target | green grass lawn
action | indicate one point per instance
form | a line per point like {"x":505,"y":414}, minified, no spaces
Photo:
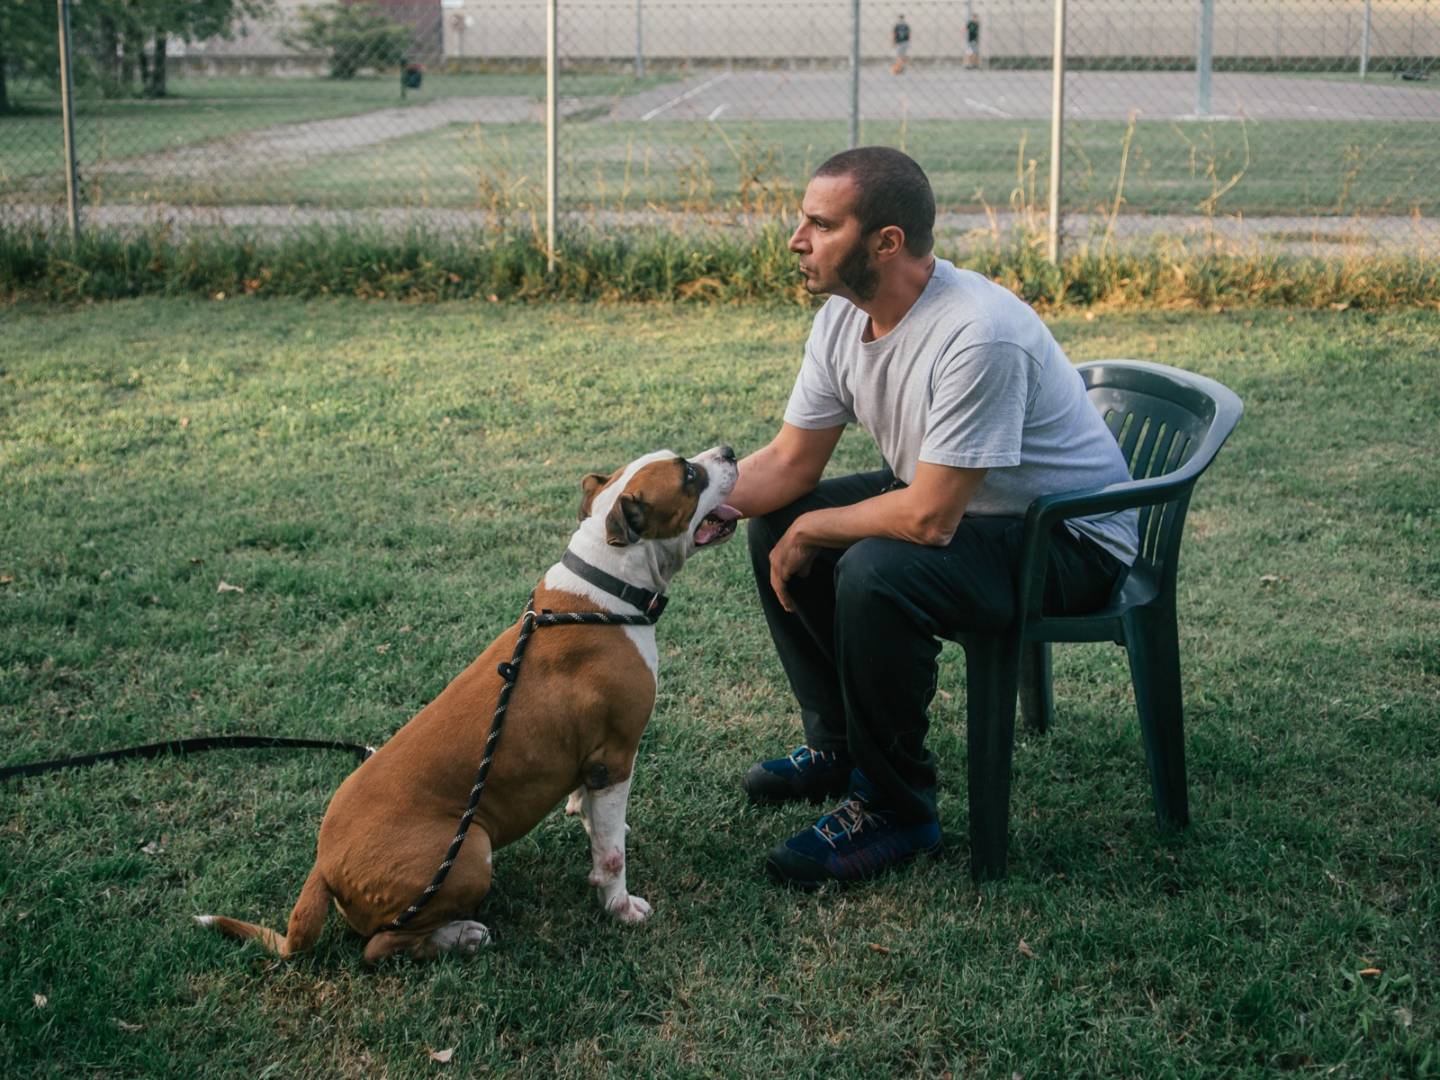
{"x":1291,"y":168}
{"x":387,"y":482}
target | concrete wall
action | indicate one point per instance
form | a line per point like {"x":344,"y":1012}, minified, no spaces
{"x":820,"y":29}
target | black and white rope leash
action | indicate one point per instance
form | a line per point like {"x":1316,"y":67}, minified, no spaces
{"x":510,"y":672}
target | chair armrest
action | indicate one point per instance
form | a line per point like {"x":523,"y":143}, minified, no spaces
{"x":1049,"y":510}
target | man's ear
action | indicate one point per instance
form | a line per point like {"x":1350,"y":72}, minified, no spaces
{"x":626,"y":520}
{"x":592,"y":483}
{"x":889,"y":242}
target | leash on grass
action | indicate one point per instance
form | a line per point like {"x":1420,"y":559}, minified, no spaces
{"x":181,"y":746}
{"x":510,"y":672}
{"x":653,"y":605}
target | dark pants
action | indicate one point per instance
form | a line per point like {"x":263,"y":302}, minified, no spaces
{"x":861,"y":648}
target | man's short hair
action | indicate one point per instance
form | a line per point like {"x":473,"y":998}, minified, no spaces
{"x":893,"y":190}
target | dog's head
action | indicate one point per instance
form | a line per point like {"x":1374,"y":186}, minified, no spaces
{"x":667,"y":500}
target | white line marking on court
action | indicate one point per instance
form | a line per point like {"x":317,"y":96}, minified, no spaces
{"x":986,"y":108}
{"x":685,"y":96}
{"x":718,"y":110}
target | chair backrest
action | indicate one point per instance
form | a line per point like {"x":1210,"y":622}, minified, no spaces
{"x":1168,"y":422}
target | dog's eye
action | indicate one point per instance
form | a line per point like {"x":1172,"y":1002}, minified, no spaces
{"x":689,"y":473}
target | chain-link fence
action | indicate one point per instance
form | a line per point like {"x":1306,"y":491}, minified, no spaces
{"x":1302,"y":118}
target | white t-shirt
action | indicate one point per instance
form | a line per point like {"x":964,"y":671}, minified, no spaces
{"x":971,"y":378}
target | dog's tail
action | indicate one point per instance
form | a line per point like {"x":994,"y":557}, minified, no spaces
{"x":306,"y":921}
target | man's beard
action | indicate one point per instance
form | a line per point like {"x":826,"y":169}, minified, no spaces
{"x":857,"y":273}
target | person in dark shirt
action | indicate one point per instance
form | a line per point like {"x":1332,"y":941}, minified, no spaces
{"x":972,"y":42}
{"x":900,"y":37}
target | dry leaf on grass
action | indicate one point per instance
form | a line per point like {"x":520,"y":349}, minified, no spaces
{"x":442,"y":1056}
{"x":41,"y":1001}
{"x":1026,"y":950}
{"x":225,"y":586}
{"x":881,"y":949}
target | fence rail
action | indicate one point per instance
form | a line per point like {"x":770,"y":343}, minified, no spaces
{"x":1300,"y":122}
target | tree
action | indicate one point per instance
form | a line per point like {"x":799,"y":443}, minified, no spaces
{"x":355,"y":36}
{"x":29,"y":35}
{"x":123,"y":44}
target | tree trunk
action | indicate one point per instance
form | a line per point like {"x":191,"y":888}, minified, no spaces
{"x":4,"y":93}
{"x":134,"y":51}
{"x":155,"y":85}
{"x":109,"y":55}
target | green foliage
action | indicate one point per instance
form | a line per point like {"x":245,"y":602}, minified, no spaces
{"x":121,"y":45}
{"x":355,"y":36}
{"x":655,"y":264}
{"x":27,"y":44}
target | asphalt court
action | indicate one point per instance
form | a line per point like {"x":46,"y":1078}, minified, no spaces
{"x":950,"y":94}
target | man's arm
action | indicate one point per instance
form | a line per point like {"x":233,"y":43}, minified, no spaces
{"x":789,"y":466}
{"x":927,"y":512}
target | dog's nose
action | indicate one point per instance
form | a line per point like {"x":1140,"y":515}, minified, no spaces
{"x":727,"y":454}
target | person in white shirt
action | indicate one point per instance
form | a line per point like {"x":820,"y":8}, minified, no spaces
{"x":976,"y":412}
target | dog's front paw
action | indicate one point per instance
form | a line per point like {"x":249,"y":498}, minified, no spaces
{"x":630,"y":909}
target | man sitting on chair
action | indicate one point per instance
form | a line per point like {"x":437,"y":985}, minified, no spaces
{"x":977,"y":412}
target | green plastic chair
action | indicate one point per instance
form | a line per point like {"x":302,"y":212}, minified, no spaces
{"x":1170,"y":424}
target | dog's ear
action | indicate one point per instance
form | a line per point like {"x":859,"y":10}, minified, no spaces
{"x":626,"y":520}
{"x":591,"y":486}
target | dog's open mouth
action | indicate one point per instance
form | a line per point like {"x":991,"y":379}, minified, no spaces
{"x":718,"y":525}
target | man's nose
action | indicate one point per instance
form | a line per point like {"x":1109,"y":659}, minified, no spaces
{"x":798,"y":243}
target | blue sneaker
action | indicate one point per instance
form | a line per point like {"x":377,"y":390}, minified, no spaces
{"x":804,"y":773}
{"x":854,"y":842}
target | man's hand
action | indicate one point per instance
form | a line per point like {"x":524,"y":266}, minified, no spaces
{"x":790,"y":558}
{"x":927,"y":512}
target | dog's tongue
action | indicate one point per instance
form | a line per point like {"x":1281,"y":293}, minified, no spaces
{"x":716,"y":522}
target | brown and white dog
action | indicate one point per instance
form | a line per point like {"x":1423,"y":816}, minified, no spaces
{"x":574,"y":722}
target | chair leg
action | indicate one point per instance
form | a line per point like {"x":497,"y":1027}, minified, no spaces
{"x":1037,"y":693}
{"x":1153,"y":644}
{"x":991,"y":671}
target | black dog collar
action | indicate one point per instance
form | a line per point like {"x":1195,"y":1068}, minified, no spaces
{"x":652,"y":604}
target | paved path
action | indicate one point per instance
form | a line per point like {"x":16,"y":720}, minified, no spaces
{"x":956,"y":94}
{"x":287,"y":143}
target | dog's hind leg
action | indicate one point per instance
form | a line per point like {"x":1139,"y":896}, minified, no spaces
{"x":464,"y":936}
{"x":575,"y":804}
{"x":464,"y":888}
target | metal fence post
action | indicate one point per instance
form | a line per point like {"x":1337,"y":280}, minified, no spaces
{"x":67,"y":111}
{"x":854,"y":73}
{"x":639,"y":40}
{"x":552,"y":185}
{"x":1057,"y":129}
{"x":1365,"y":43}
{"x":1204,"y":59}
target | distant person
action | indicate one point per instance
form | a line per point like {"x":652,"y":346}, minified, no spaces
{"x":972,"y":42}
{"x":900,"y":37}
